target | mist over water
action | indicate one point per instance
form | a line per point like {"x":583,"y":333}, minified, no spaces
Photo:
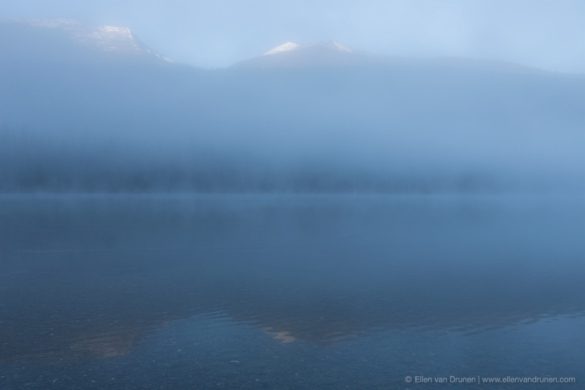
{"x":389,"y":196}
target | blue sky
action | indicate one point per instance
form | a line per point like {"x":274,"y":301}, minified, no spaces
{"x":544,"y":33}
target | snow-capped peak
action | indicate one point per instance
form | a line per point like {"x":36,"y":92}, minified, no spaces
{"x":116,"y":38}
{"x":107,"y":37}
{"x":285,"y":47}
{"x":293,"y":46}
{"x":292,"y":54}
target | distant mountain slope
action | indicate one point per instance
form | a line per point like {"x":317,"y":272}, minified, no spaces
{"x":103,"y":112}
{"x":66,"y":40}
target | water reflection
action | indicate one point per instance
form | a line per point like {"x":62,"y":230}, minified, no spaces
{"x":91,"y":277}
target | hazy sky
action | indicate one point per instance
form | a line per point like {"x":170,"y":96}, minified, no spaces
{"x":544,"y":33}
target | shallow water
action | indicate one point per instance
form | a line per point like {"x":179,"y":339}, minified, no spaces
{"x":289,"y":292}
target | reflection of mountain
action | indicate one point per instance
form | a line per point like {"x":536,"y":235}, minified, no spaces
{"x":99,"y":275}
{"x":93,"y":109}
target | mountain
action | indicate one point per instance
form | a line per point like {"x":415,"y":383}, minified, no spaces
{"x":67,"y":40}
{"x":93,"y":109}
{"x":294,"y":55}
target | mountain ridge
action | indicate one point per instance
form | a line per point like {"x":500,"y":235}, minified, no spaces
{"x":398,"y":125}
{"x":60,"y":38}
{"x":293,"y":55}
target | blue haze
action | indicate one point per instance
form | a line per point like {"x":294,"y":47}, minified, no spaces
{"x":179,"y":211}
{"x":542,"y":33}
{"x":77,"y":117}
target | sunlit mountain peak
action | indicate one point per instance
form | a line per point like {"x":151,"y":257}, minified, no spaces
{"x":282,"y":48}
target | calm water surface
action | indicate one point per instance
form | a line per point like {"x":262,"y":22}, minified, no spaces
{"x":289,"y":292}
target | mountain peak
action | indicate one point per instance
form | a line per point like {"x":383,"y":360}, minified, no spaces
{"x":282,"y":48}
{"x":293,"y":46}
{"x":292,"y":54}
{"x":62,"y":36}
{"x":115,"y":39}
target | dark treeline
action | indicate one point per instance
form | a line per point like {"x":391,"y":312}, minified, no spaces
{"x":31,"y":168}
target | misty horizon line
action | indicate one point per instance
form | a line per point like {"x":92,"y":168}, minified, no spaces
{"x":302,"y":44}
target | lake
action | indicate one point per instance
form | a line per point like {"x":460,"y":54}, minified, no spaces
{"x":291,"y":291}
